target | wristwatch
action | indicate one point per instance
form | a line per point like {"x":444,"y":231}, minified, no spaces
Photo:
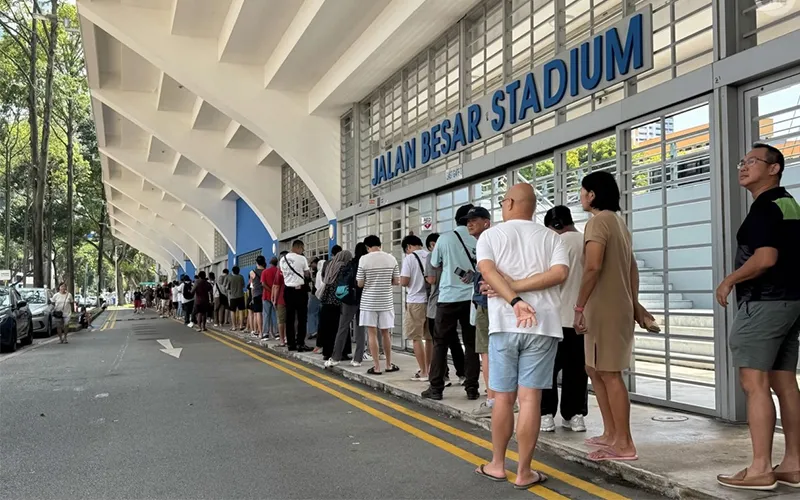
{"x":515,"y":300}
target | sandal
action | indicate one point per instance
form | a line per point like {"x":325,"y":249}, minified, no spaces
{"x":609,"y":455}
{"x":488,"y":476}
{"x":540,"y":478}
{"x":372,"y":371}
{"x":393,"y":368}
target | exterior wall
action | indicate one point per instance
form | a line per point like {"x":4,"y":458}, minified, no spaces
{"x":252,"y":239}
{"x":672,"y":144}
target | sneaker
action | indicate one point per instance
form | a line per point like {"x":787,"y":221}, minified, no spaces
{"x":355,"y":363}
{"x":367,"y":357}
{"x":575,"y":424}
{"x":383,"y":357}
{"x":473,"y":395}
{"x":548,"y":424}
{"x":331,"y":362}
{"x":190,"y":325}
{"x":461,"y":380}
{"x":483,"y":411}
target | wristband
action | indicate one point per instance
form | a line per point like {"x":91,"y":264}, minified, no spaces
{"x":578,"y":309}
{"x":515,"y":300}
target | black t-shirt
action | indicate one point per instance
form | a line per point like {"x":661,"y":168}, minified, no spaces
{"x":773,"y":221}
{"x":137,"y":295}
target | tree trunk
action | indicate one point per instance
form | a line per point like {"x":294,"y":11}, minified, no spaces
{"x":48,"y":235}
{"x":33,"y":125}
{"x":42,"y":171}
{"x":70,"y":278}
{"x":117,"y":276}
{"x":100,"y":253}
{"x":7,"y":249}
{"x":25,"y":242}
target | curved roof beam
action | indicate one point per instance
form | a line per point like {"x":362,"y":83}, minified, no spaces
{"x":278,"y":118}
{"x":177,"y":214}
{"x":143,"y":245}
{"x":220,"y":213}
{"x":122,"y":217}
{"x":204,"y":148}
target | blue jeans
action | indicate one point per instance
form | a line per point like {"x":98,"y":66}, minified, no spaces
{"x":314,"y":306}
{"x":270,"y":318}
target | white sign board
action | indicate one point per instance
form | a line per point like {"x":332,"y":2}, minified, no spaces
{"x":5,"y":275}
{"x":426,"y":223}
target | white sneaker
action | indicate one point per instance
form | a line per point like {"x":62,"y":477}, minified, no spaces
{"x":367,"y":357}
{"x":483,"y":411}
{"x":548,"y":424}
{"x":575,"y":424}
{"x":190,"y":325}
{"x":355,"y":363}
{"x":383,"y":357}
{"x":461,"y":380}
{"x":331,"y":362}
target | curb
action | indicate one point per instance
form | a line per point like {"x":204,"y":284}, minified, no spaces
{"x":654,"y":482}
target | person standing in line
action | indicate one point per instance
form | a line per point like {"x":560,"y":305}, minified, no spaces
{"x":278,"y":297}
{"x":605,"y":311}
{"x":296,"y":276}
{"x":179,"y":291}
{"x":331,"y":303}
{"x":188,"y":302}
{"x":348,"y":288}
{"x":377,"y":273}
{"x":217,"y":304}
{"x":250,"y":300}
{"x":223,"y":297}
{"x":137,"y":301}
{"x":270,"y":320}
{"x":432,"y":276}
{"x":455,"y":254}
{"x":314,"y":305}
{"x":63,"y":305}
{"x":524,"y":264}
{"x":235,"y":283}
{"x":202,"y":291}
{"x":415,"y":321}
{"x":570,"y":356}
{"x":479,"y":220}
{"x":258,"y":296}
{"x":764,"y":336}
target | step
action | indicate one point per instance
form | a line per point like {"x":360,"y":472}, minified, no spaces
{"x":682,"y":347}
{"x":659,"y":304}
{"x":688,"y":331}
{"x":673,"y":296}
{"x":650,"y":279}
{"x":676,"y":319}
{"x":653,"y":287}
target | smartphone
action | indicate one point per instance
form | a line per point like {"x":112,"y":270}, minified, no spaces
{"x":466,"y":276}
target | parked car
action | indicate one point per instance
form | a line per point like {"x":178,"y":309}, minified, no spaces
{"x":41,"y":308}
{"x":78,"y":299}
{"x":16,"y":324}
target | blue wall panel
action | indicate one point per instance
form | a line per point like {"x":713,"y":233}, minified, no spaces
{"x":250,"y":235}
{"x":189,"y":269}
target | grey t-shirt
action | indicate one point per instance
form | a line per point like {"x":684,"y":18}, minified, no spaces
{"x":258,"y":289}
{"x":433,"y":295}
{"x":222,"y":283}
{"x":235,"y":286}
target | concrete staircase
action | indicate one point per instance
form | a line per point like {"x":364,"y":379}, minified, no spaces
{"x":652,"y":290}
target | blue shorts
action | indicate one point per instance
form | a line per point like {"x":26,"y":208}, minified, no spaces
{"x":521,"y":360}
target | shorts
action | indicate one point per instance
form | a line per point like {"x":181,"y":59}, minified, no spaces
{"x":764,"y":335}
{"x":415,"y":322}
{"x":377,"y":319}
{"x":223,"y":299}
{"x":521,"y":360}
{"x":137,"y":304}
{"x":281,"y":310}
{"x":481,"y":330}
{"x":237,"y":304}
{"x":258,"y":305}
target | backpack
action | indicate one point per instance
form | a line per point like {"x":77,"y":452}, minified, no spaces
{"x":345,"y":290}
{"x":187,"y":291}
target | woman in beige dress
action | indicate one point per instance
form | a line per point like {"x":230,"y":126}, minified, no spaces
{"x":605,"y":312}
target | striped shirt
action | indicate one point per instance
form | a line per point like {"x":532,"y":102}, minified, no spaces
{"x":377,"y":270}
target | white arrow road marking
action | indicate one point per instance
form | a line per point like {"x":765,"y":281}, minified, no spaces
{"x":175,"y":352}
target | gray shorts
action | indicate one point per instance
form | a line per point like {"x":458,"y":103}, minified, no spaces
{"x":764,"y":335}
{"x":521,"y":360}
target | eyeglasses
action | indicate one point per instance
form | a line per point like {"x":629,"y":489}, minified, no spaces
{"x":505,"y":200}
{"x":749,"y":162}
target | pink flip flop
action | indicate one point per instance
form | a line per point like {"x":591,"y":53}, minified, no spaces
{"x":609,"y":455}
{"x":594,"y":441}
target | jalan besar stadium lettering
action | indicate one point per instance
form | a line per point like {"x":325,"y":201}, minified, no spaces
{"x":621,"y":52}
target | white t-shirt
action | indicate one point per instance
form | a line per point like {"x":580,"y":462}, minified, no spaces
{"x":318,"y":281}
{"x":299,"y":263}
{"x":378,"y":270}
{"x":573,"y":240}
{"x":175,"y":290}
{"x":520,"y":248}
{"x":412,"y":268}
{"x":63,"y":302}
{"x":181,"y":298}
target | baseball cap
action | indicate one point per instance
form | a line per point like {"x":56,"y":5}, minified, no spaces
{"x":478,"y":213}
{"x":461,"y":213}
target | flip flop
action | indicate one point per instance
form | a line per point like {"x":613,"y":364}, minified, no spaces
{"x":490,"y":477}
{"x":393,"y":368}
{"x":540,"y":478}
{"x":609,"y":455}
{"x":372,"y":371}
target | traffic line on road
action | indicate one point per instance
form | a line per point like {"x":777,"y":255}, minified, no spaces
{"x":540,"y":491}
{"x":111,"y":320}
{"x":511,"y":455}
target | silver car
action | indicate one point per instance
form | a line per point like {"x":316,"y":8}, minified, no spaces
{"x":41,"y":308}
{"x":15,"y":320}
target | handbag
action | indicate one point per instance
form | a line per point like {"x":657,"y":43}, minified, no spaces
{"x":59,"y":314}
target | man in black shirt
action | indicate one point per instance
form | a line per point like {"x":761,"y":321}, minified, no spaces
{"x":764,"y":335}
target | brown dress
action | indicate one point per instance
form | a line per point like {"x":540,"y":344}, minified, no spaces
{"x":609,"y":311}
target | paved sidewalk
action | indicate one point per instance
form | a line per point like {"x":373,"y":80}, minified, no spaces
{"x":678,"y":458}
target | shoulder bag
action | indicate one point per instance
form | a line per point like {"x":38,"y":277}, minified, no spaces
{"x":304,"y":278}
{"x":469,"y":254}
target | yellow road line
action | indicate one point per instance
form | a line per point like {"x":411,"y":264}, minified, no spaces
{"x":429,"y":438}
{"x":113,"y":320}
{"x":512,"y":455}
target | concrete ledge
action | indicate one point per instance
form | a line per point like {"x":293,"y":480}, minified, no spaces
{"x":678,"y":458}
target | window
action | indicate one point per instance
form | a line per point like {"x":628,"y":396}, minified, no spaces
{"x":248,"y":259}
{"x":299,"y":205}
{"x":220,"y":246}
{"x":350,"y":191}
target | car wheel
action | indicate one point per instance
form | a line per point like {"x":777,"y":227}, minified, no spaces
{"x":12,"y":345}
{"x":28,"y":340}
